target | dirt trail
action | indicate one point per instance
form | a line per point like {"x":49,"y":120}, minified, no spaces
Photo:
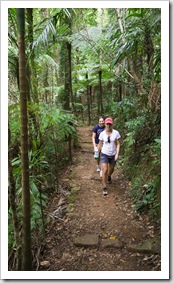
{"x":111,"y":217}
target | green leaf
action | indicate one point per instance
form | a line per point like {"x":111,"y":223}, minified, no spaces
{"x":34,"y":189}
{"x":16,"y":161}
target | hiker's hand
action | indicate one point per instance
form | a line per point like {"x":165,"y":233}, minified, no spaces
{"x":116,"y":157}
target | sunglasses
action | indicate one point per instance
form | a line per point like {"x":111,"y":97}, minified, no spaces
{"x":109,"y":140}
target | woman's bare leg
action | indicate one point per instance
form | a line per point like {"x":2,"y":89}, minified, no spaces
{"x":110,"y":169}
{"x":104,"y":168}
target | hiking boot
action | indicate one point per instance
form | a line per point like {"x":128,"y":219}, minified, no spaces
{"x":100,"y":173}
{"x":98,"y":168}
{"x":105,"y":191}
{"x":109,"y":180}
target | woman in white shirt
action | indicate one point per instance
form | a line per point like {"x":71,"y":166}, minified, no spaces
{"x":109,"y":144}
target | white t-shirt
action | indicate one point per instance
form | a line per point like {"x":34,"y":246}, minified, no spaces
{"x":109,"y":148}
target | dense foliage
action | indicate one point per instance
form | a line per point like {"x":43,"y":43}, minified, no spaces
{"x":82,"y":63}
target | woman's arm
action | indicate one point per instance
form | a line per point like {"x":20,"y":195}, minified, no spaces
{"x":100,"y":145}
{"x":93,"y":140}
{"x":118,"y":149}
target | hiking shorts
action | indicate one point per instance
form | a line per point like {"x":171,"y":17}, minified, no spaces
{"x":107,"y":159}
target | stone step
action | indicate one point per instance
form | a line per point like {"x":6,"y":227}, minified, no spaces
{"x":88,"y":240}
{"x":94,"y":240}
{"x":149,"y":246}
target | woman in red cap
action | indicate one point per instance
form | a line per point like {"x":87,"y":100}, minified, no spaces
{"x":109,"y":144}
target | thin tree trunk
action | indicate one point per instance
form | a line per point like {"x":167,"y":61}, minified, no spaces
{"x":70,"y":147}
{"x":66,"y":79}
{"x":32,"y":56}
{"x":46,"y":84}
{"x":31,"y":82}
{"x":88,"y":101}
{"x":27,"y":262}
{"x":119,"y":88}
{"x":149,"y":47}
{"x":12,"y":201}
{"x":68,"y":91}
{"x":82,"y":110}
{"x":70,"y":77}
{"x":100,"y":94}
{"x":88,"y":104}
{"x":90,"y":94}
{"x":52,"y":97}
{"x":101,"y":11}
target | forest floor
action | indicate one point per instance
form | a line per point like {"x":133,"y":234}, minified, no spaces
{"x":91,"y":232}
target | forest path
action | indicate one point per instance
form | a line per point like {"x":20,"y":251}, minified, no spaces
{"x":110,"y":217}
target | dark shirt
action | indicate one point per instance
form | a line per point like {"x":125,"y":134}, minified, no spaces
{"x":97,"y":129}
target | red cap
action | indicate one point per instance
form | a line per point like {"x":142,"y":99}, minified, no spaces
{"x":108,"y":121}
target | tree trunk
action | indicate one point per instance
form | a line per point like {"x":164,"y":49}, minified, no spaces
{"x":12,"y":201}
{"x":66,"y":82}
{"x":91,"y":101}
{"x":100,"y":94}
{"x":88,"y":101}
{"x":89,"y":106}
{"x":101,"y":11}
{"x":32,"y":83}
{"x":68,"y":91}
{"x":27,"y":263}
{"x":119,"y":91}
{"x":149,"y":47}
{"x":82,"y":110}
{"x":46,"y":84}
{"x":70,"y":77}
{"x":34,"y":86}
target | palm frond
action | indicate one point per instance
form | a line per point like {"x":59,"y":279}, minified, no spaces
{"x":49,"y":60}
{"x":44,"y":36}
